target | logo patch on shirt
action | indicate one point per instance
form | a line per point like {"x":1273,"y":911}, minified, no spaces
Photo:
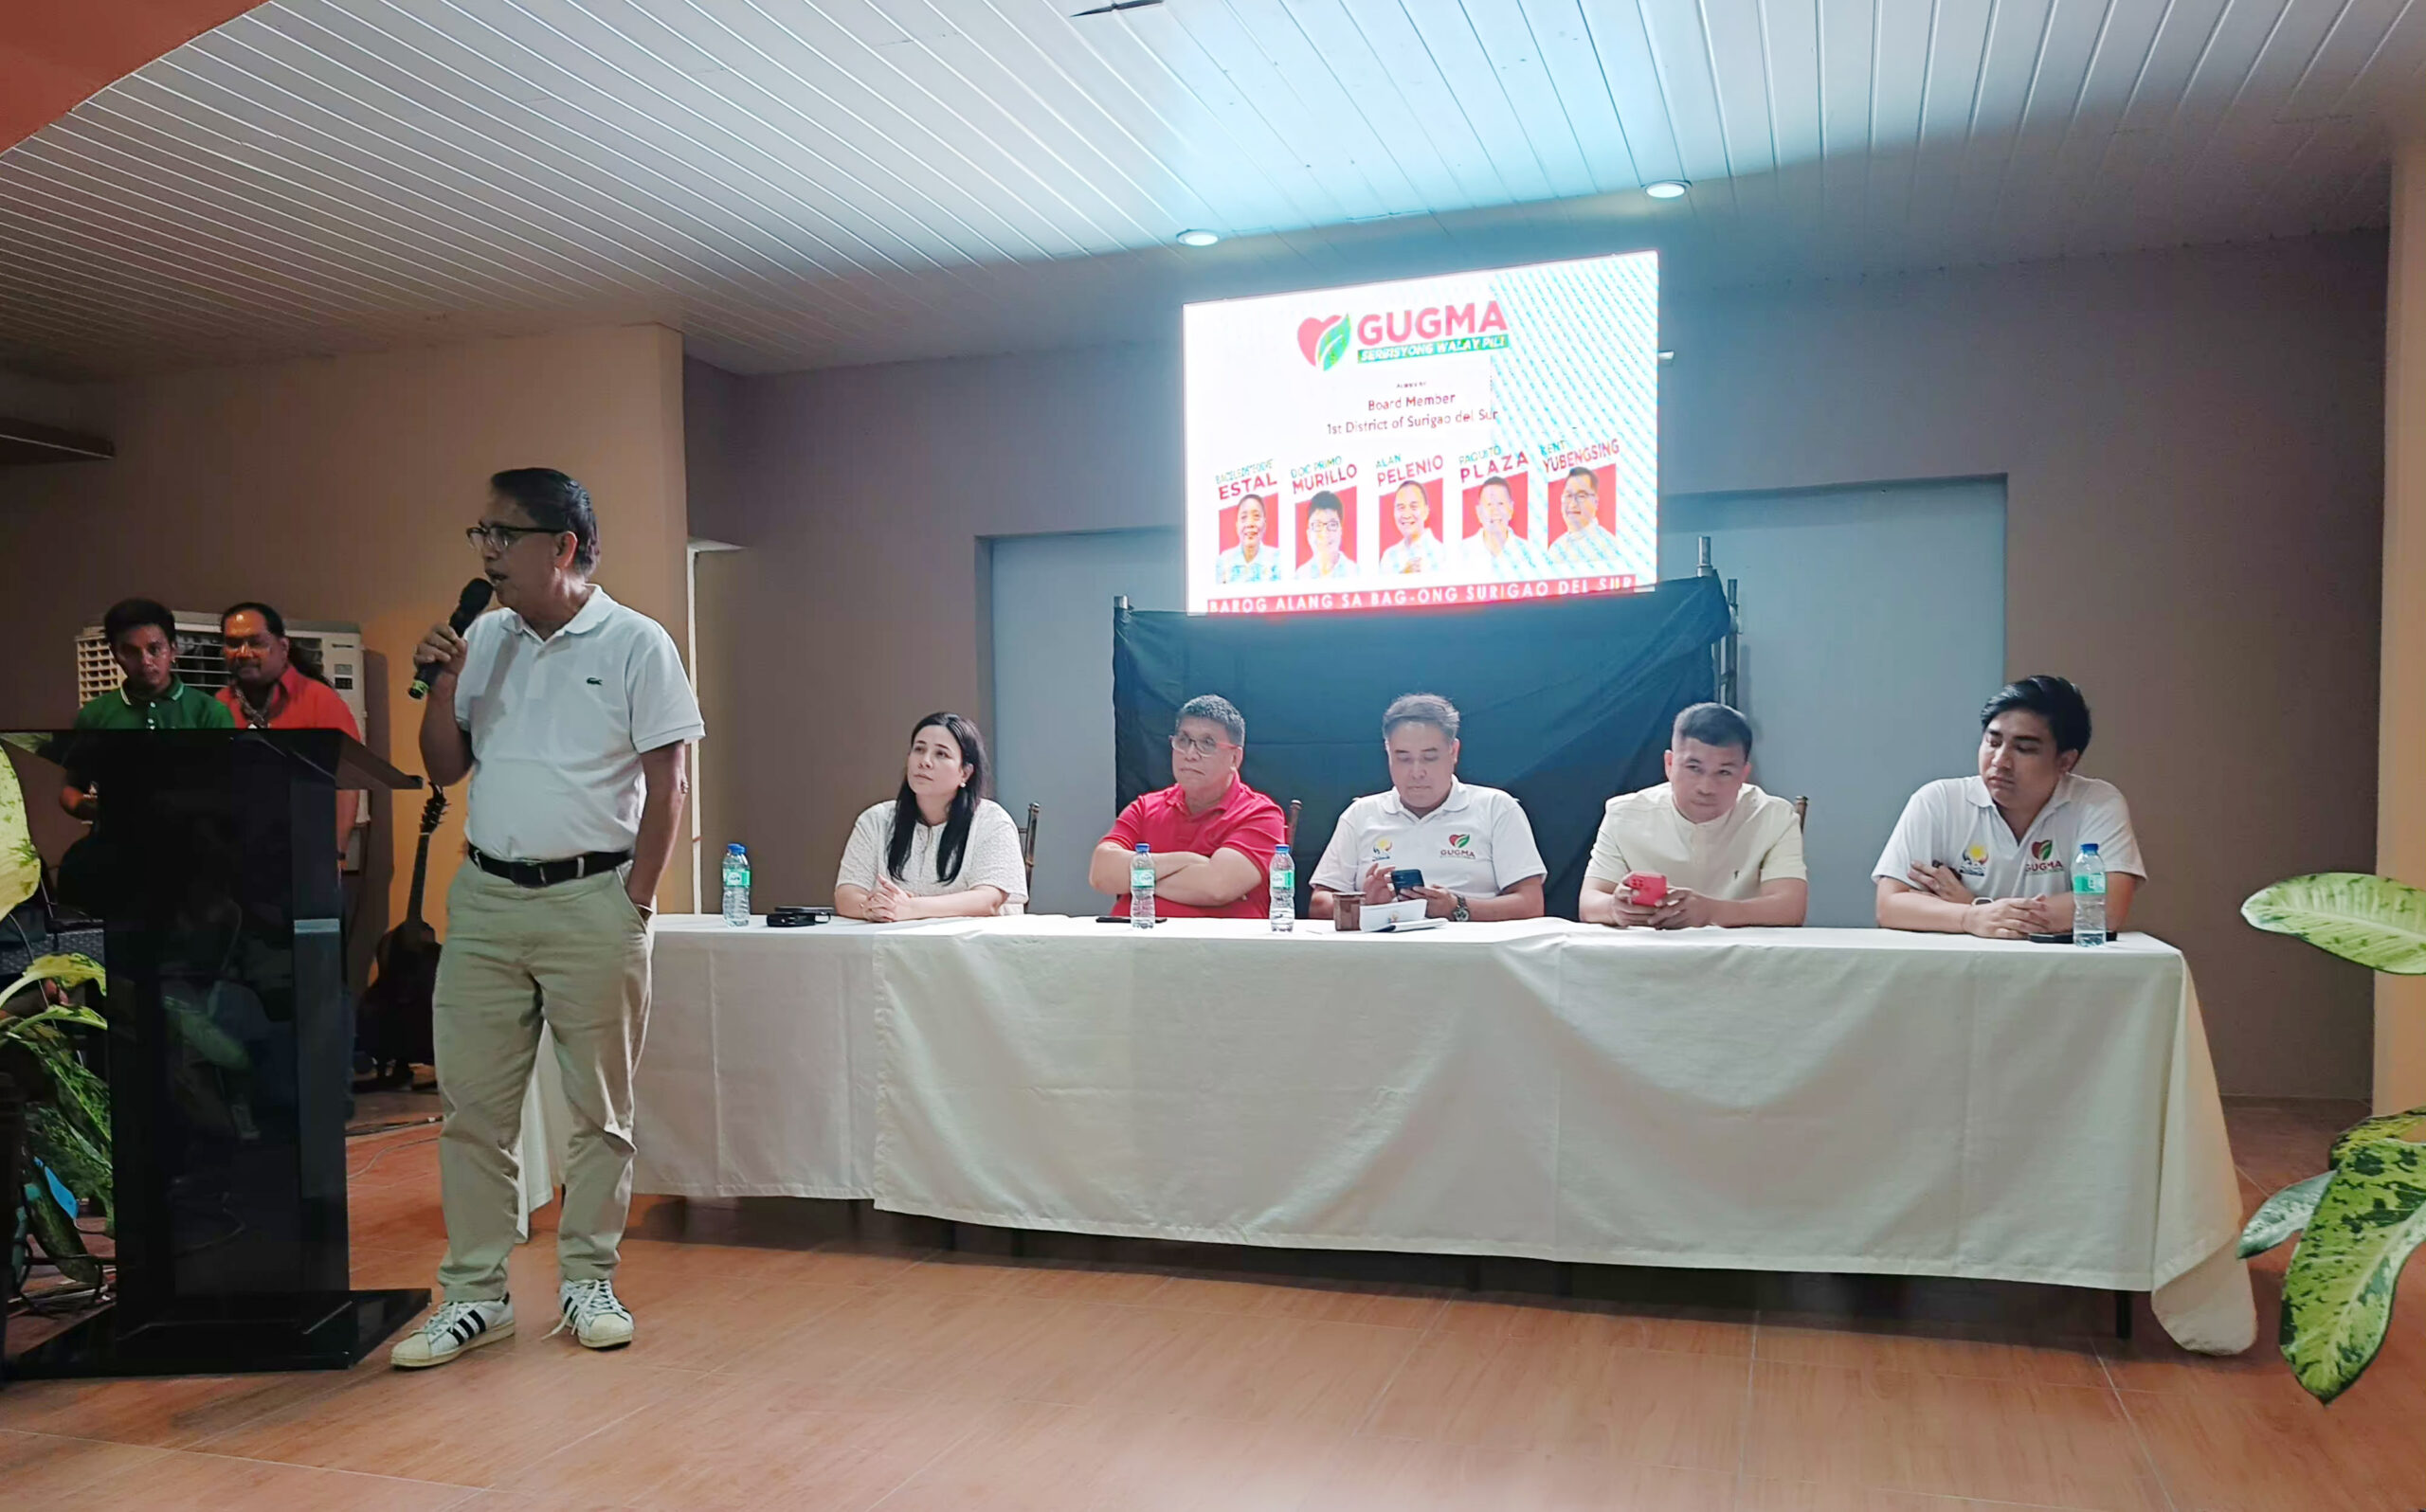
{"x":2042,"y":849}
{"x":1381,"y":845}
{"x":1457,"y":843}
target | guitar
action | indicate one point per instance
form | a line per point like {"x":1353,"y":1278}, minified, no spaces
{"x":393,"y":1022}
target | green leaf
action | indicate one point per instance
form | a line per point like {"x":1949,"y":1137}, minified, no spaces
{"x":2282,"y":1215}
{"x":1333,"y":344}
{"x":2338,"y":1291}
{"x":20,"y":863}
{"x":56,"y":1232}
{"x":2383,"y":1127}
{"x":70,"y":970}
{"x":51,"y":1139}
{"x":23,"y":1028}
{"x":2374,"y":920}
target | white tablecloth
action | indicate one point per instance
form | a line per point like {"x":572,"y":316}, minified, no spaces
{"x":1805,"y":1100}
{"x":759,"y":1075}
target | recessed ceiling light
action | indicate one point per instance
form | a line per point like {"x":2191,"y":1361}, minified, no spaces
{"x":1667,"y":188}
{"x":1199,"y":238}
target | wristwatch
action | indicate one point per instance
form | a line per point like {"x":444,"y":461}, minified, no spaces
{"x":1458,"y":914}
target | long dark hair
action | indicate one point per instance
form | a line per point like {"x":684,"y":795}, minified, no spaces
{"x":954,"y":844}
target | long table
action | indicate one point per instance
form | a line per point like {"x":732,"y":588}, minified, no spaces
{"x":1854,"y":1100}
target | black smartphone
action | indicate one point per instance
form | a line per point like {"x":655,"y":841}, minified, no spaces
{"x":795,"y":918}
{"x":1406,"y":879}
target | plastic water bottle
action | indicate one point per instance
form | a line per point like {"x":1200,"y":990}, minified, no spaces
{"x":737,"y":885}
{"x":1141,"y":888}
{"x":2088,"y":897}
{"x":1284,"y":890}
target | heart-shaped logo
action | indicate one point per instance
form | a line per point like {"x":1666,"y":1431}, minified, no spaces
{"x":2042,"y":850}
{"x":1457,"y":843}
{"x":1323,"y":339}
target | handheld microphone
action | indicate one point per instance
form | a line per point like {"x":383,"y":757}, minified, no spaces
{"x":468,"y":607}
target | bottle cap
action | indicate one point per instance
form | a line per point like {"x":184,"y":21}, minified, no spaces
{"x":2089,"y":847}
{"x":734,"y":849}
{"x":1281,"y":849}
{"x":1143,"y":847}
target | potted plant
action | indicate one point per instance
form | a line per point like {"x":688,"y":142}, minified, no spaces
{"x":64,"y":1109}
{"x":67,"y":1113}
{"x":2360,"y":1219}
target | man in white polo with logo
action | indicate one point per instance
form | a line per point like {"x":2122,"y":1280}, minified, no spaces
{"x":1731,"y":854}
{"x":570,"y":713}
{"x":1992,"y":854}
{"x":1474,"y":845}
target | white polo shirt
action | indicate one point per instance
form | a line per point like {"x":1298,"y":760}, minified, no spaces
{"x":1728,"y":857}
{"x":558,"y":727}
{"x":1477,"y":842}
{"x":1955,"y":822}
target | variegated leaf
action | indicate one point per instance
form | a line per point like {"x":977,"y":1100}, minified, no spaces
{"x":2374,"y":920}
{"x":2338,"y":1291}
{"x":20,"y":863}
{"x":2282,"y":1215}
{"x":2383,"y":1127}
{"x":70,"y":970}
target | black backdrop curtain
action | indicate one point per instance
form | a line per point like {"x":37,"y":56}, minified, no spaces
{"x":1565,"y":703}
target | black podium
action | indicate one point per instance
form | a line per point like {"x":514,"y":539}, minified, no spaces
{"x":213,"y":867}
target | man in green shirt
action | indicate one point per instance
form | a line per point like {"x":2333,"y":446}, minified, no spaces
{"x":143,"y":640}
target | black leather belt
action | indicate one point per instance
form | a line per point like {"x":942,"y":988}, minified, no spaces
{"x":547,"y":874}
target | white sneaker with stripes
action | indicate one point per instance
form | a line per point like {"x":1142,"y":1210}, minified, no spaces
{"x":598,"y":1321}
{"x":454,"y":1328}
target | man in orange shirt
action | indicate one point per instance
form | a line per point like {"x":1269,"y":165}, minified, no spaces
{"x":269,"y":692}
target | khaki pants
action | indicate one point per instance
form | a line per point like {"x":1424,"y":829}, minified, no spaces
{"x":576,"y":953}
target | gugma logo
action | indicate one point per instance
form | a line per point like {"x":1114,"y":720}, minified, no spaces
{"x":1323,"y":339}
{"x":2042,"y":850}
{"x":1433,"y":331}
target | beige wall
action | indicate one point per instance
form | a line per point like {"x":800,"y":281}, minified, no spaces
{"x":2192,"y":451}
{"x":2401,"y":815}
{"x":337,"y":488}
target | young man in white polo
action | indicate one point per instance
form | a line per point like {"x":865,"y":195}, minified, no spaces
{"x":1991,"y":854}
{"x":1731,"y":854}
{"x":570,"y":713}
{"x":1474,"y":845}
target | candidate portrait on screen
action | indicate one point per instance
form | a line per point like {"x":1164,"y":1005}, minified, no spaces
{"x":1255,"y":558}
{"x":1586,"y":545}
{"x":1417,"y":549}
{"x":1497,"y":549}
{"x":1326,"y":531}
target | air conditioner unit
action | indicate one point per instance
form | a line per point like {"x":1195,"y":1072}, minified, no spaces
{"x":201,"y":662}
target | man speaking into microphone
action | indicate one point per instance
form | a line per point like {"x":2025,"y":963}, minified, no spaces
{"x":569,"y":711}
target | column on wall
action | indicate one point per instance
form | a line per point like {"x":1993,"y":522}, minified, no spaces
{"x":2401,"y":802}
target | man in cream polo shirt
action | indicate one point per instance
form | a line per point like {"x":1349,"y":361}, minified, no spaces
{"x":1991,"y":854}
{"x":1731,"y":853}
{"x":1474,"y":845}
{"x":570,"y":713}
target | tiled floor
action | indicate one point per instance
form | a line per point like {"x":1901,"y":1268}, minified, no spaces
{"x":780,"y":1369}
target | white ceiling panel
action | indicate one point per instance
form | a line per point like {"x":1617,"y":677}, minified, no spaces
{"x":798,"y":183}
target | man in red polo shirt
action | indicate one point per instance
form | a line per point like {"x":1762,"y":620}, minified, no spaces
{"x":1212,"y":834}
{"x":269,"y":692}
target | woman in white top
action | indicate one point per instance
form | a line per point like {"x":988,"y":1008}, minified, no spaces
{"x":939,"y":850}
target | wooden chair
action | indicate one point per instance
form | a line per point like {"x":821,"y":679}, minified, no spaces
{"x":1027,"y":844}
{"x":1801,"y":812}
{"x":1296,"y":806}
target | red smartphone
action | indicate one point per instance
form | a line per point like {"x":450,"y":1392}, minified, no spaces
{"x":1647,"y":887}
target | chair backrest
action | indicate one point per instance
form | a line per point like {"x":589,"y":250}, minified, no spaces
{"x":1296,"y":806}
{"x":1027,"y":844}
{"x":1801,"y":812}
